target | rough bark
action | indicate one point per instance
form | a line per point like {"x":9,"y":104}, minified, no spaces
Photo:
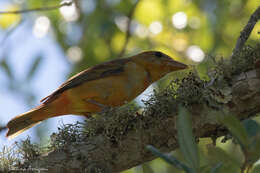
{"x":99,"y":154}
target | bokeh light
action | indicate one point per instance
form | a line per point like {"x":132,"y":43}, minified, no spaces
{"x":74,"y":54}
{"x":155,"y":27}
{"x":141,"y":31}
{"x":195,"y":53}
{"x":41,"y":26}
{"x":69,"y":12}
{"x":121,"y":22}
{"x":194,"y":22}
{"x":179,"y":20}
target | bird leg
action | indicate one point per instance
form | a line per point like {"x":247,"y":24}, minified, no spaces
{"x":103,"y":107}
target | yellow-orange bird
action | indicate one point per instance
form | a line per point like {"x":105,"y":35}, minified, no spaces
{"x":110,"y":84}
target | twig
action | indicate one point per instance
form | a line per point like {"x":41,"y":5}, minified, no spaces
{"x":37,"y":9}
{"x":128,"y":34}
{"x":245,"y":33}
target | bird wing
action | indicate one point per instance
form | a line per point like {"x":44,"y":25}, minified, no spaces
{"x":107,"y":69}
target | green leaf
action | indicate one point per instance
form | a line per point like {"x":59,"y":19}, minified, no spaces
{"x":216,"y":168}
{"x":204,"y":67}
{"x":253,"y":152}
{"x":252,"y":127}
{"x":147,"y":168}
{"x":205,"y":168}
{"x":186,"y":139}
{"x":217,"y":155}
{"x":202,"y":70}
{"x":256,"y":169}
{"x":236,"y":129}
{"x":169,"y":159}
{"x":34,"y":67}
{"x":253,"y":130}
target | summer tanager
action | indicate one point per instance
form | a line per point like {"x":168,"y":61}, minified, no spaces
{"x":110,"y":84}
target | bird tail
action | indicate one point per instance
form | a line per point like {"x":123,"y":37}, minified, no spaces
{"x":25,"y":121}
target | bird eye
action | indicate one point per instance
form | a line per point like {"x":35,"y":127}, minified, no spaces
{"x":158,"y":54}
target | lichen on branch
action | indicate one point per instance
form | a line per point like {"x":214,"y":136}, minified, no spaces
{"x":121,"y":134}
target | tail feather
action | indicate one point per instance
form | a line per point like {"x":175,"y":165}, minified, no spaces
{"x":23,"y":122}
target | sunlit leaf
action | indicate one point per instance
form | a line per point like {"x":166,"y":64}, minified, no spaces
{"x":147,"y":168}
{"x":186,"y":139}
{"x":7,"y":20}
{"x":256,"y":169}
{"x":237,"y":129}
{"x":144,"y":8}
{"x":204,"y":67}
{"x":202,"y":70}
{"x":217,"y":155}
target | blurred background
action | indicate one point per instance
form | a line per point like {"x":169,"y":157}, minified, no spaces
{"x":40,"y":50}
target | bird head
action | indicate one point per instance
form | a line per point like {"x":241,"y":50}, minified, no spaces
{"x":158,"y":64}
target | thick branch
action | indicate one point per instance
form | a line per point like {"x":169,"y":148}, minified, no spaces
{"x":238,"y":94}
{"x":100,"y":154}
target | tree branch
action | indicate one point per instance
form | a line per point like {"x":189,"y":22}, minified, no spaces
{"x":37,"y":9}
{"x":245,"y":33}
{"x":118,"y":141}
{"x":128,"y":32}
{"x":100,"y":153}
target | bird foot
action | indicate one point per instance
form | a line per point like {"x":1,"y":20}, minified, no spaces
{"x":104,"y":108}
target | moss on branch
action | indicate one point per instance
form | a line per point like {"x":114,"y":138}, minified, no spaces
{"x":204,"y":98}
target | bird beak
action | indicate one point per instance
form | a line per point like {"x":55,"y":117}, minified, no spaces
{"x":175,"y":65}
